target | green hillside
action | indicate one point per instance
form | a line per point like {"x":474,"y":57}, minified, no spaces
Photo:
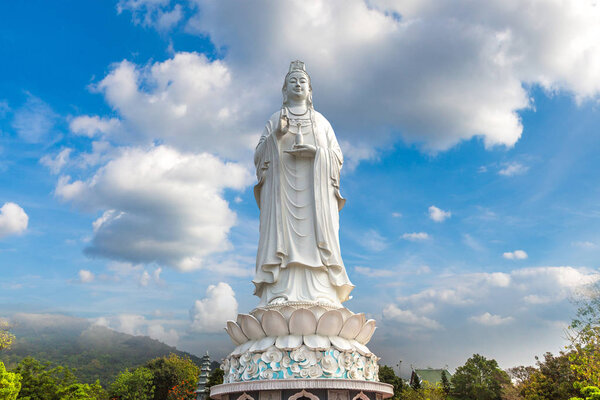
{"x":93,"y":352}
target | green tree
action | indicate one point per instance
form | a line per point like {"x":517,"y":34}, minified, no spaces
{"x":387,"y":375}
{"x":6,"y":338}
{"x":215,"y":377}
{"x":135,"y":385}
{"x":10,"y":384}
{"x":426,"y":391}
{"x":173,"y":371}
{"x":41,"y":381}
{"x":584,"y":335}
{"x":479,"y":379}
{"x":590,"y":393}
{"x":446,"y":387}
{"x":553,"y":379}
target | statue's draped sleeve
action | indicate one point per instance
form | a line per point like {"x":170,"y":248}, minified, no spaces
{"x":271,"y":249}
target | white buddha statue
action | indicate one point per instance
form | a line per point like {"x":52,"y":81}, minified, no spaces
{"x":298,"y":162}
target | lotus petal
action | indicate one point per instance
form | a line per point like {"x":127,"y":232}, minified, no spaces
{"x":263,"y":344}
{"x":345,"y":313}
{"x":236,"y":333}
{"x":363,"y":319}
{"x":242,"y":348}
{"x":287,"y":311}
{"x":351,"y":327}
{"x":317,"y":311}
{"x":251,"y":327}
{"x":366,"y":332}
{"x":274,"y":324}
{"x":317,"y":342}
{"x":330,"y":323}
{"x":288,"y":342}
{"x":361,"y":348}
{"x":235,"y":342}
{"x":303,"y":322}
{"x":258,"y":313}
{"x":340,"y":343}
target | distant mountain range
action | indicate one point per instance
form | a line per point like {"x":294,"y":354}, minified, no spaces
{"x":93,"y":352}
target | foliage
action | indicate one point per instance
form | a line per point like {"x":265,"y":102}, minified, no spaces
{"x":173,"y":371}
{"x":590,"y":393}
{"x":479,"y":379}
{"x":135,"y":385}
{"x":10,"y":384}
{"x":584,"y":335}
{"x":215,"y":377}
{"x":426,"y":391}
{"x":387,"y":375}
{"x":552,"y":380}
{"x":182,"y":391}
{"x":40,"y":381}
{"x":6,"y":338}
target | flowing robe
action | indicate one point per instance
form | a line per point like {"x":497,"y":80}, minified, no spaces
{"x":299,"y":256}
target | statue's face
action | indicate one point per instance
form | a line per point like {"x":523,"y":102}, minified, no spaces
{"x":297,"y":86}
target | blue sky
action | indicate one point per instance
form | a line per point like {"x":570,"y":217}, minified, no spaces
{"x":470,"y":136}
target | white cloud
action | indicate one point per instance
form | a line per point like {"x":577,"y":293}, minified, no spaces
{"x":4,"y":108}
{"x":13,"y":220}
{"x":212,"y":312}
{"x":374,"y":273}
{"x":139,"y":325}
{"x":513,"y":168}
{"x":56,"y":163}
{"x":396,"y":215}
{"x":93,"y":125}
{"x":407,"y":317}
{"x":438,"y":215}
{"x":158,"y":205}
{"x":488,"y":319}
{"x":515,"y":255}
{"x":415,"y":236}
{"x":85,"y":276}
{"x":34,"y":121}
{"x":155,"y":13}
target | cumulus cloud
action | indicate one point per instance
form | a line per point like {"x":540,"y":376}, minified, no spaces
{"x":515,"y":255}
{"x":488,"y":319}
{"x":34,"y":121}
{"x":407,"y":317}
{"x":415,"y":236}
{"x":438,"y":215}
{"x":212,"y":312}
{"x":513,"y":168}
{"x":13,"y":220}
{"x":56,"y":163}
{"x":85,"y":276}
{"x":158,"y":205}
{"x":92,"y":125}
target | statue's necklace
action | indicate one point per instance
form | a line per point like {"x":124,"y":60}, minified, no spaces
{"x":298,"y":115}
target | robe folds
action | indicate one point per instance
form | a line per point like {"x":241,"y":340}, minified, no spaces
{"x":280,"y":270}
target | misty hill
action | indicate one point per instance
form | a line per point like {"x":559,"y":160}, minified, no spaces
{"x":94,"y":352}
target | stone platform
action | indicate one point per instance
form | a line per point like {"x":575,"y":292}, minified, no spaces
{"x":302,"y":389}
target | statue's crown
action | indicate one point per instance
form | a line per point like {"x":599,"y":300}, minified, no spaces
{"x":297,"y":66}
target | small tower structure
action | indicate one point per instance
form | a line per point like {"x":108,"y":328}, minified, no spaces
{"x":201,"y":391}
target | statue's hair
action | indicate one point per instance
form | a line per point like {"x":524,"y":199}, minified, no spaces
{"x":309,"y":100}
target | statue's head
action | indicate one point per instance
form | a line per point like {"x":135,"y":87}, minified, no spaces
{"x":297,"y":84}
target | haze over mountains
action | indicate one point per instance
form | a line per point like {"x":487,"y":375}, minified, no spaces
{"x":94,"y":352}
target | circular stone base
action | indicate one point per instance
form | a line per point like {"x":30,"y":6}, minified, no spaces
{"x":302,"y":389}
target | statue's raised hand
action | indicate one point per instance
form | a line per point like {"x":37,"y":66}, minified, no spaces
{"x":303,"y":150}
{"x":283,"y":124}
